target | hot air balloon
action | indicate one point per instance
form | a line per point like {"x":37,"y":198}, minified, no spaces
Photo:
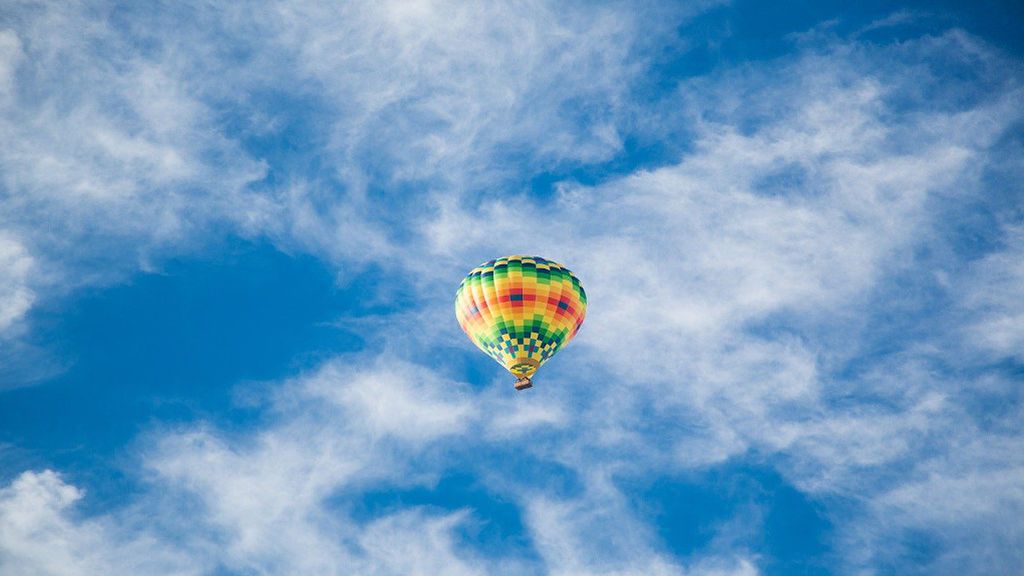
{"x":520,"y":310}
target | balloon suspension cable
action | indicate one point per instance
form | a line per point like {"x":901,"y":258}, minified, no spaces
{"x":523,"y":383}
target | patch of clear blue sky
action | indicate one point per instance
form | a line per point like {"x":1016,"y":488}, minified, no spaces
{"x":781,"y":525}
{"x":171,"y":347}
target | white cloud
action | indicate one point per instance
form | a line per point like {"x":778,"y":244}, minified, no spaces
{"x":16,"y":296}
{"x":598,"y":532}
{"x":109,"y":160}
{"x":41,"y":535}
{"x":593,"y":535}
{"x":335,"y":431}
{"x":358,"y":424}
{"x":133,"y":137}
{"x":439,"y":89}
{"x":512,"y":418}
{"x":389,"y":401}
{"x":416,"y":544}
{"x":10,"y":55}
{"x":964,"y":504}
{"x":994,"y":292}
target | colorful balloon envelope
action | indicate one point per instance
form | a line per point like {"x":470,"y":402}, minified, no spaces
{"x":520,"y":310}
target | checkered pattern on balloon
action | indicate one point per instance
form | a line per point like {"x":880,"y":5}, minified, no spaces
{"x":520,"y":310}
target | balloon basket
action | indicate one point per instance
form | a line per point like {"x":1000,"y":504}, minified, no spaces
{"x":523,"y":383}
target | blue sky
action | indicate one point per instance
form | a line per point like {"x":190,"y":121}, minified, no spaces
{"x":230,"y":239}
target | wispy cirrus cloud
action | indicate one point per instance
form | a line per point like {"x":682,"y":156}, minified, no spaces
{"x":128,"y":142}
{"x":109,"y":159}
